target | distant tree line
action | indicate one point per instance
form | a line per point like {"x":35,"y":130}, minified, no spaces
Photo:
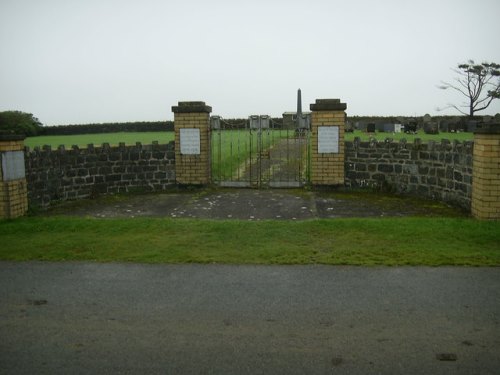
{"x":21,"y":123}
{"x":139,"y":126}
{"x":16,"y":122}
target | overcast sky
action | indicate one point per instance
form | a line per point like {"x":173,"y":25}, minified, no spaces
{"x":88,"y":61}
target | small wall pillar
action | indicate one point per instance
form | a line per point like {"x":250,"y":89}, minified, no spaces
{"x":13,"y":186}
{"x":486,"y":172}
{"x":192,"y":143}
{"x":327,"y":142}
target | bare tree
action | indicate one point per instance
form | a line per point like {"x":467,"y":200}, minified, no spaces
{"x":479,"y":83}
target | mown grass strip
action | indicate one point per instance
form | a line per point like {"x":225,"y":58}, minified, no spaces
{"x":401,"y":241}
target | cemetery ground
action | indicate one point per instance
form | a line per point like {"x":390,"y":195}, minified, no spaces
{"x":247,"y":226}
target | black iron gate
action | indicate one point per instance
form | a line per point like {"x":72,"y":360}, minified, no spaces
{"x":259,"y":152}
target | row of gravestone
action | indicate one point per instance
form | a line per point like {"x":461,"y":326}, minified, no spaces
{"x":427,"y":124}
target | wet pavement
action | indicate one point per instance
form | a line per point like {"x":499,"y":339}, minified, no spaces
{"x":253,"y":204}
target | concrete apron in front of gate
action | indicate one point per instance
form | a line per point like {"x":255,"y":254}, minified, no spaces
{"x":263,"y":157}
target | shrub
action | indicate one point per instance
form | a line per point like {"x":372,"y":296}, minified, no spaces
{"x":20,"y":123}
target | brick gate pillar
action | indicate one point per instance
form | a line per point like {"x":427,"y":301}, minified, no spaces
{"x":192,"y":143}
{"x":327,"y":142}
{"x":486,"y":172}
{"x":13,"y":186}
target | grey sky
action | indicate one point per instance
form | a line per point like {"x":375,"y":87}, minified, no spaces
{"x":83,"y":61}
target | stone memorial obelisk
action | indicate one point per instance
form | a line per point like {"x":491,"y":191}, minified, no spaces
{"x":299,"y":104}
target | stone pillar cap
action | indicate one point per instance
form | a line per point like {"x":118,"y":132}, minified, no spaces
{"x":488,"y":128}
{"x":191,"y":107}
{"x":328,"y":105}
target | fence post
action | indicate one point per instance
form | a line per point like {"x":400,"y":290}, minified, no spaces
{"x":486,"y":172}
{"x":192,"y":143}
{"x":327,"y":142}
{"x":13,"y":186}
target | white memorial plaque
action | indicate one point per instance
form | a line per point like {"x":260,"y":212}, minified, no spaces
{"x":13,"y":165}
{"x":328,"y":139}
{"x":190,"y":141}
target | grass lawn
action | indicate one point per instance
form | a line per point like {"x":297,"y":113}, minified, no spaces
{"x":82,"y":140}
{"x":131,"y":138}
{"x":399,"y":241}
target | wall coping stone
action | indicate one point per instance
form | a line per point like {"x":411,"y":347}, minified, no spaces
{"x":191,"y":107}
{"x":12,"y":137}
{"x":105,"y":147}
{"x":416,"y":145}
{"x":328,"y":105}
{"x":488,"y":128}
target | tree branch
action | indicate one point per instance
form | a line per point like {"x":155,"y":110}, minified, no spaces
{"x":447,"y":85}
{"x":473,"y":81}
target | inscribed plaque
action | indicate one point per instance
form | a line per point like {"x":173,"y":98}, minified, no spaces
{"x":13,"y":165}
{"x":190,"y":141}
{"x":328,"y":139}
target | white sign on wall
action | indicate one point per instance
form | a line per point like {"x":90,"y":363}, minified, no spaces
{"x":13,"y":165}
{"x":328,"y":139}
{"x":190,"y":141}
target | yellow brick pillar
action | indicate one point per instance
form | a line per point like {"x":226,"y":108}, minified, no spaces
{"x":486,"y":172}
{"x":327,"y":142}
{"x":13,"y":186}
{"x":192,"y":143}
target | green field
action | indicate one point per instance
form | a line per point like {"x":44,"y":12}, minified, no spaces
{"x":131,"y":138}
{"x":82,"y":140}
{"x":410,"y":241}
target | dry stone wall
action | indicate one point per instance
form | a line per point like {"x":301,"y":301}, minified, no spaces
{"x":76,"y":173}
{"x":441,"y":171}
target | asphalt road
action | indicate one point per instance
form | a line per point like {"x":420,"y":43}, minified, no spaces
{"x":84,"y":318}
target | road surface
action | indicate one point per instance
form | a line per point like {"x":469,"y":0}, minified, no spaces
{"x":85,"y":318}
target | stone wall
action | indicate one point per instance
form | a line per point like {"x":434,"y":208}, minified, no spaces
{"x":441,"y":171}
{"x":61,"y":174}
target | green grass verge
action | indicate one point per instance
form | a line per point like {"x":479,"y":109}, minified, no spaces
{"x":82,"y":140}
{"x":401,"y":241}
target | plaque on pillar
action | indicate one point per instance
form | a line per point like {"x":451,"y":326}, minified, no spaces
{"x":328,"y":139}
{"x":13,"y":165}
{"x":190,"y":141}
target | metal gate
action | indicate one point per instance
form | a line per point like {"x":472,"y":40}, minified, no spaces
{"x":260,"y":152}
